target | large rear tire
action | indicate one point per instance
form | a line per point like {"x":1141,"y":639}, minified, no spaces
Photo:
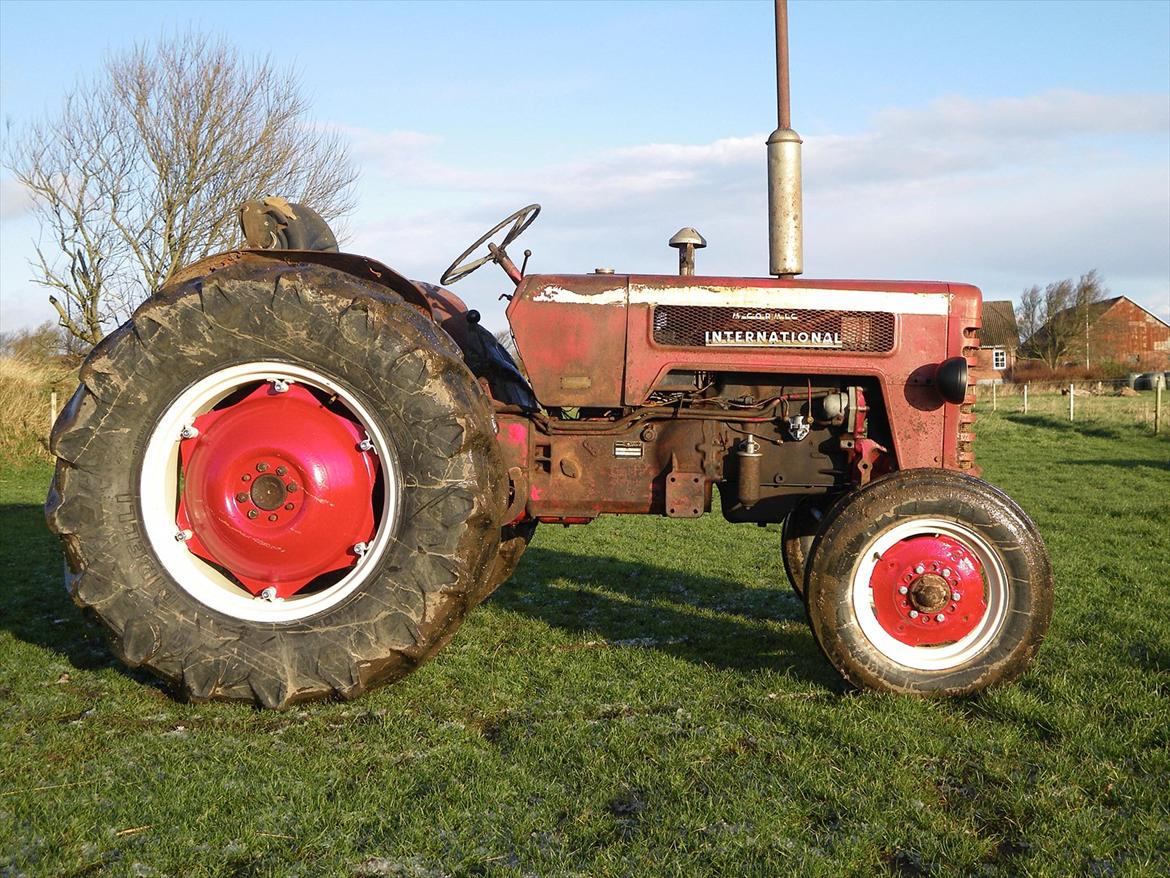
{"x":929,"y":582}
{"x":176,"y":497}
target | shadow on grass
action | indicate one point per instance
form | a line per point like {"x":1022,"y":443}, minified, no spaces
{"x":36,"y":608}
{"x":702,"y":619}
{"x":707,"y":620}
{"x":1122,"y":431}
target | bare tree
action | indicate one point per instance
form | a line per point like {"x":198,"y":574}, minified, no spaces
{"x":1055,"y":321}
{"x":142,"y":170}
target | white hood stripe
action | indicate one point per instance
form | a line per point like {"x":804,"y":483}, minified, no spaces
{"x":808,"y":298}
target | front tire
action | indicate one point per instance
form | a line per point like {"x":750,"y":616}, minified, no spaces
{"x":929,"y":582}
{"x":176,"y":492}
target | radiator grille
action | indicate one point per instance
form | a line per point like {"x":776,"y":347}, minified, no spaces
{"x":801,"y":329}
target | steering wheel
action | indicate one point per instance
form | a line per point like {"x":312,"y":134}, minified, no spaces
{"x":460,"y":268}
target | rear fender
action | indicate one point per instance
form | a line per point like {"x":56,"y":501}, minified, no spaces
{"x":350,"y":263}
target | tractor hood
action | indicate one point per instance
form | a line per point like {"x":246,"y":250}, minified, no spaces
{"x":604,"y":340}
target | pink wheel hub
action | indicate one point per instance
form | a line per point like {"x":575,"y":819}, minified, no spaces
{"x":277,"y":489}
{"x":928,"y":591}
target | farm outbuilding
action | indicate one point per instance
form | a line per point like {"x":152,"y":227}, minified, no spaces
{"x":1123,"y":331}
{"x":999,"y":341}
{"x":1119,"y":330}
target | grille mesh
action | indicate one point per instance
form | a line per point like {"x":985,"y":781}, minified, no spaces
{"x":801,"y":329}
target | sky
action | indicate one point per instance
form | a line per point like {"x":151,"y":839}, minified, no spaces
{"x":1002,"y":144}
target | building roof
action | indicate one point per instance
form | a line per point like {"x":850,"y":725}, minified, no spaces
{"x":999,"y":326}
{"x":1098,"y":309}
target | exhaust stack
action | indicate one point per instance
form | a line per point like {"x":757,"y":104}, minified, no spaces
{"x":785,"y":217}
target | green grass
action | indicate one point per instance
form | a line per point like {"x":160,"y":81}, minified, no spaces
{"x":644,"y":698}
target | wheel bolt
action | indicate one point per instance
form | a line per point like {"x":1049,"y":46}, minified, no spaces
{"x":291,"y":487}
{"x":913,"y":614}
{"x":261,"y":467}
{"x":252,"y":513}
{"x":272,"y":517}
{"x":946,"y":571}
{"x":242,"y":496}
{"x":903,"y":590}
{"x":281,"y":470}
{"x":245,"y":478}
{"x":288,"y":506}
{"x":920,"y":569}
{"x":955,"y":596}
{"x":940,"y":618}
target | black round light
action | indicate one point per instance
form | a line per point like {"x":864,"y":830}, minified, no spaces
{"x":951,"y":379}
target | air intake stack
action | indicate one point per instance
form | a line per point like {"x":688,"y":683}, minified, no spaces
{"x":785,"y":217}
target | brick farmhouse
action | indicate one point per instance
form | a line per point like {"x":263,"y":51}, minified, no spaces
{"x":999,"y":343}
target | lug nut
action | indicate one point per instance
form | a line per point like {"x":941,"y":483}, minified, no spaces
{"x":920,"y":569}
{"x":252,"y":513}
{"x":956,"y":596}
{"x":913,"y":614}
{"x":281,"y":470}
{"x":269,"y":594}
{"x":242,"y":496}
{"x":291,"y":487}
{"x":946,"y":571}
{"x":245,"y":478}
{"x":261,"y":467}
{"x":272,"y":517}
{"x":903,"y":590}
{"x":289,"y":507}
{"x":940,"y":618}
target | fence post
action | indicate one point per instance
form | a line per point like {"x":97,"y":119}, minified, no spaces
{"x":52,"y":410}
{"x":1072,"y":395}
{"x":993,"y":402}
{"x":1025,"y":398}
{"x":1157,"y":409}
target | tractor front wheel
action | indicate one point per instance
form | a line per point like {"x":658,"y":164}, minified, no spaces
{"x":929,"y":582}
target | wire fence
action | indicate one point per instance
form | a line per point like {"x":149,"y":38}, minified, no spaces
{"x":1097,"y":401}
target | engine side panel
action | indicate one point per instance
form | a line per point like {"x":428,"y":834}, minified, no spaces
{"x":571,"y":335}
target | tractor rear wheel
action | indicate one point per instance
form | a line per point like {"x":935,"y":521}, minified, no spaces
{"x":277,"y":483}
{"x":929,"y":582}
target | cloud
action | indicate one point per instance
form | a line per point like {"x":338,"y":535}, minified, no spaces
{"x":15,"y":200}
{"x":1043,"y":116}
{"x":1002,"y":193}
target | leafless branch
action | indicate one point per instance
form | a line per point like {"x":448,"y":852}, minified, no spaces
{"x":141,"y":171}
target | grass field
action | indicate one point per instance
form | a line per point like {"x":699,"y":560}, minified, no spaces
{"x":644,"y":698}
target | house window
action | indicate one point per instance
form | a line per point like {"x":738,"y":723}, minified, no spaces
{"x":999,"y":359}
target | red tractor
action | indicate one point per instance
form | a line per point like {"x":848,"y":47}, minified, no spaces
{"x":291,"y":473}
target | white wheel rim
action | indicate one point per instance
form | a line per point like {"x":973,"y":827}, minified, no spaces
{"x":946,"y":656}
{"x":159,"y":492}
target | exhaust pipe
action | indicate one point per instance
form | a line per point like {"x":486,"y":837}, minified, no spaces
{"x":785,"y":217}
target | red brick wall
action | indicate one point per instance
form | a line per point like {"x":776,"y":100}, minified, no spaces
{"x":984,"y":367}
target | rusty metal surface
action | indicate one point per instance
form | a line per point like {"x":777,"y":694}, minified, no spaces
{"x":350,"y":263}
{"x":569,"y":330}
{"x":571,"y":334}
